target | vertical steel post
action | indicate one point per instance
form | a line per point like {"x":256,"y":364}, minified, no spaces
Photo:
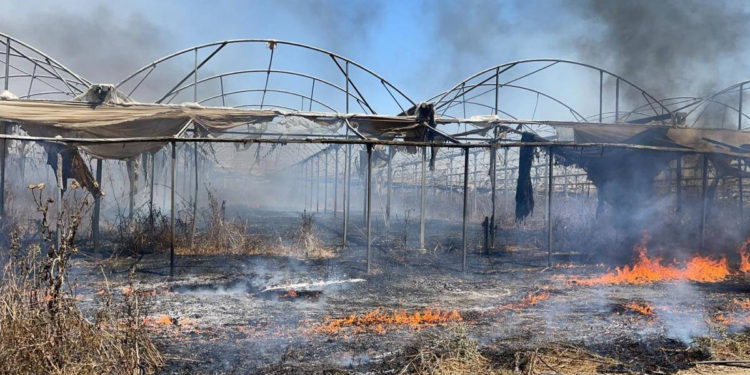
{"x":678,"y":184}
{"x":348,"y":166}
{"x":369,"y":206}
{"x":739,"y":115}
{"x":312,"y":184}
{"x":601,"y":94}
{"x":97,"y":206}
{"x":151,"y":188}
{"x":550,"y":188}
{"x":617,"y":99}
{"x":305,"y":178}
{"x":347,"y":177}
{"x":317,"y":184}
{"x":474,"y":182}
{"x":3,"y":130}
{"x":497,"y":91}
{"x":389,"y":181}
{"x":325,"y":185}
{"x":740,"y":164}
{"x":172,"y":211}
{"x":59,"y":179}
{"x":422,"y":198}
{"x":704,"y":184}
{"x":336,"y":183}
{"x":364,"y":197}
{"x":466,"y":208}
{"x":195,"y":196}
{"x":493,"y":195}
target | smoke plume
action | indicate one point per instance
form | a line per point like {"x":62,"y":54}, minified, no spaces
{"x":670,"y":47}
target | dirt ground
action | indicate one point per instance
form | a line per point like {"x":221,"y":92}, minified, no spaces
{"x":222,"y":318}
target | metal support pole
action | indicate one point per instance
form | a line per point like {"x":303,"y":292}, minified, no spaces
{"x":336,"y":183}
{"x":422,"y":199}
{"x":131,"y":192}
{"x":151,"y":189}
{"x":739,"y":110}
{"x":317,"y":184}
{"x":312,"y":184}
{"x":741,"y":165}
{"x":59,"y":179}
{"x":466,"y":208}
{"x":474,"y":183}
{"x":172,"y":211}
{"x":3,"y":156}
{"x":601,"y":94}
{"x":493,"y":195}
{"x":325,"y":186}
{"x":305,"y":181}
{"x":369,"y":205}
{"x":97,"y":207}
{"x":347,"y":186}
{"x":550,"y":188}
{"x":195,"y":196}
{"x":364,"y":197}
{"x":3,"y":130}
{"x":389,"y":181}
{"x":678,"y":185}
{"x":704,"y":184}
{"x":617,"y":100}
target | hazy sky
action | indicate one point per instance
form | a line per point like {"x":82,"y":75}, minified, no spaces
{"x":423,"y":47}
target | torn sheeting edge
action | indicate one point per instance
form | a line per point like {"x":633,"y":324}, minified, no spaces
{"x":50,"y":114}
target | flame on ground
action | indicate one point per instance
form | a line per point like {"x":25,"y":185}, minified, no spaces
{"x":377,"y":321}
{"x":745,"y":256}
{"x":160,"y":320}
{"x":640,"y":308}
{"x":650,"y":269}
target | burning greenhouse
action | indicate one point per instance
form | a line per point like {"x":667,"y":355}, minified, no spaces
{"x":266,"y":206}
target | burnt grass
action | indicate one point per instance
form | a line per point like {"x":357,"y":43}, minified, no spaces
{"x":225,"y":322}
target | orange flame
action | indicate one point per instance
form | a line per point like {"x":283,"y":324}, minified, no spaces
{"x":641,"y":308}
{"x":649,"y":270}
{"x":533,"y":299}
{"x":529,"y":300}
{"x":377,"y":321}
{"x":745,"y":256}
{"x":160,"y":320}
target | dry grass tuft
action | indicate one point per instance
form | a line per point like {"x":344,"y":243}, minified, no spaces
{"x":305,"y":242}
{"x":727,"y":347}
{"x":222,"y":236}
{"x":145,"y":233}
{"x":42,"y":331}
{"x":449,"y":352}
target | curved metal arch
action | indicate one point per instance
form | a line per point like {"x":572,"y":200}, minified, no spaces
{"x":250,"y":71}
{"x":272,"y":44}
{"x":45,"y":70}
{"x":267,"y":90}
{"x":675,"y":104}
{"x":442,"y":99}
{"x":703,"y":103}
{"x":575,"y":113}
{"x":486,"y":106}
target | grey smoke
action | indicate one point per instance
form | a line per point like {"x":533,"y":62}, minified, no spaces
{"x":669,"y":47}
{"x":99,"y":44}
{"x":341,"y":25}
